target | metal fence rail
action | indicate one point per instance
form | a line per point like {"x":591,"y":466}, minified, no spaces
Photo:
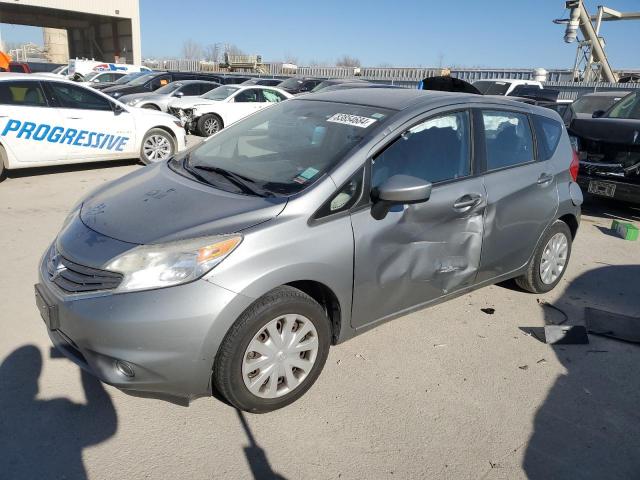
{"x":409,"y":77}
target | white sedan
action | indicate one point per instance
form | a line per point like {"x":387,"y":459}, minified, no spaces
{"x":222,"y":106}
{"x":46,"y":121}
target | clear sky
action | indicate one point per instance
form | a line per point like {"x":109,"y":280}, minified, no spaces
{"x":496,"y":33}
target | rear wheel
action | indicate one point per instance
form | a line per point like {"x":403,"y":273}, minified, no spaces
{"x":208,"y":124}
{"x":157,"y":146}
{"x":549,"y":261}
{"x":274,"y":352}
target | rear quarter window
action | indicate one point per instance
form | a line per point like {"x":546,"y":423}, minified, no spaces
{"x":548,"y":133}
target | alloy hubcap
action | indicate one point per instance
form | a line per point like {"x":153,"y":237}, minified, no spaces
{"x":156,"y":148}
{"x":211,"y":126}
{"x":280,"y":356}
{"x":554,"y":258}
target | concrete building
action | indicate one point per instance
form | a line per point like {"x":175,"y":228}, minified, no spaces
{"x":106,"y":30}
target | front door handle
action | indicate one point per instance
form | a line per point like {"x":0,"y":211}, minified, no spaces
{"x":544,"y":178}
{"x":466,"y":202}
{"x":74,"y":118}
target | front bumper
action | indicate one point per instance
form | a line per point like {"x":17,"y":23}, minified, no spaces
{"x":622,"y":190}
{"x":168,"y":337}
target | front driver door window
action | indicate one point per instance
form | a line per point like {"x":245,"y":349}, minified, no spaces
{"x":95,"y":131}
{"x":244,"y":103}
{"x":420,"y":252}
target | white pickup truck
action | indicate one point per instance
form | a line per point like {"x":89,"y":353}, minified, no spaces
{"x":502,"y":86}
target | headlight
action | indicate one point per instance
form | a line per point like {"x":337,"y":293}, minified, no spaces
{"x":168,"y":264}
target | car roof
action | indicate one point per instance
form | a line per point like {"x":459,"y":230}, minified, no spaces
{"x":389,"y":98}
{"x":619,"y":93}
{"x":32,"y":76}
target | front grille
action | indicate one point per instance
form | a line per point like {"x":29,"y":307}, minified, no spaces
{"x":72,"y":277}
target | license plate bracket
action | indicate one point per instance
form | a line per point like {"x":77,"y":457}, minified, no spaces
{"x":48,"y":312}
{"x":604,"y":189}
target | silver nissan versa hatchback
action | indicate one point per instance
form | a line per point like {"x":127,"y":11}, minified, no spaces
{"x":231,"y":268}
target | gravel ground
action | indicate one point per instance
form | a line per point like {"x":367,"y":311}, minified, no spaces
{"x":448,"y":393}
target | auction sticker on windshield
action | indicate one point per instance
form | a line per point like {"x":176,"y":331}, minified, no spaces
{"x":353,"y":120}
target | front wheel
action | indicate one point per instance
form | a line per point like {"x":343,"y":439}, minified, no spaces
{"x":208,"y":124}
{"x":3,"y":161}
{"x":549,"y":261}
{"x":274,"y":352}
{"x":157,"y":146}
{"x":151,"y":106}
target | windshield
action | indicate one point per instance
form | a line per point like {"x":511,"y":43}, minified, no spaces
{"x":291,"y":83}
{"x":325,"y":84}
{"x":283,"y":149}
{"x":628,"y":107}
{"x":128,"y":77}
{"x":91,"y":76}
{"x":492,"y":87}
{"x":142,"y":79}
{"x":169,"y":87}
{"x":220,"y":93}
{"x":591,"y":104}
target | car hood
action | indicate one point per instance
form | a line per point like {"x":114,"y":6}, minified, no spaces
{"x":608,"y":130}
{"x":142,"y":95}
{"x":124,"y":89}
{"x":184,"y":103}
{"x":156,"y":204}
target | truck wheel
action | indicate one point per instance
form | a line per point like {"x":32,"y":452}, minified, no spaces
{"x":208,"y":124}
{"x":158,"y":145}
{"x":274,"y":352}
{"x":549,"y":261}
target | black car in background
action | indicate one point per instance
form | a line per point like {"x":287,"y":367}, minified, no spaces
{"x":267,"y":82}
{"x":152,"y":81}
{"x":300,"y":85}
{"x":339,"y":81}
{"x":121,"y":81}
{"x":609,"y":150}
{"x":592,"y":103}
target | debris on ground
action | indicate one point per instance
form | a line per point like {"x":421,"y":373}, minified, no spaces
{"x":614,"y":325}
{"x":488,"y":310}
{"x":439,"y":344}
{"x":566,"y":334}
{"x":361,"y":357}
{"x":624,"y":230}
{"x":523,"y":367}
{"x":542,"y":360}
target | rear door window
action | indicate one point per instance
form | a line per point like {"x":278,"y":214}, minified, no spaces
{"x":24,"y":94}
{"x":508,"y":139}
{"x":191,"y":89}
{"x":548,"y":133}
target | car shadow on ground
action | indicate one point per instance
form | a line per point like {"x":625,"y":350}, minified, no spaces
{"x":588,"y":425}
{"x":610,"y":209}
{"x":76,"y":167}
{"x":44,"y":439}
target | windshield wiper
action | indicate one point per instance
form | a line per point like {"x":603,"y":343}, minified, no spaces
{"x":239,"y":181}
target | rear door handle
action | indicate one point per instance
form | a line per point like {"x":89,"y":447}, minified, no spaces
{"x":467,"y":201}
{"x":74,"y":118}
{"x":544,"y":178}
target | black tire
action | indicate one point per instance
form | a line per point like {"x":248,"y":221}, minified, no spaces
{"x":203,"y":127}
{"x":157,"y":132}
{"x":151,"y":106}
{"x":532,"y":280}
{"x":3,"y":162}
{"x":227,"y":369}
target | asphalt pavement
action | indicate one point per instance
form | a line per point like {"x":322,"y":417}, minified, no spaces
{"x":450,"y":392}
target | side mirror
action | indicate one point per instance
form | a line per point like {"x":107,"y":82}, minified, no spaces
{"x":117,"y":109}
{"x":399,"y":190}
{"x":598,"y":114}
{"x":178,"y":94}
